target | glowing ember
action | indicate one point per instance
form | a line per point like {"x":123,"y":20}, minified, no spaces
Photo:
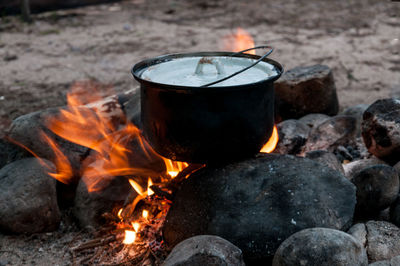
{"x":272,"y":142}
{"x":130,"y":237}
{"x":136,"y":226}
{"x":238,"y":41}
{"x":149,"y":184}
{"x":145,"y":214}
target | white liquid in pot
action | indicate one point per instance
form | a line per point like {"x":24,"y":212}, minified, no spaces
{"x":182,"y":71}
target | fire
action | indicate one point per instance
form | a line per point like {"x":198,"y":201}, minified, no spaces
{"x":130,"y":237}
{"x":272,"y":142}
{"x":238,"y":41}
{"x":174,"y":167}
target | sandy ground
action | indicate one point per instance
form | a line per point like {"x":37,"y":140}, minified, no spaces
{"x":359,"y":40}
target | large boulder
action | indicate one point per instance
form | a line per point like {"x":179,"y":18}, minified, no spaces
{"x":320,"y":246}
{"x":258,"y":203}
{"x":205,"y":250}
{"x":28,"y":198}
{"x":305,"y":90}
{"x":381,"y":129}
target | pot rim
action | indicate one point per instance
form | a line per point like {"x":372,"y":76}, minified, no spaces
{"x":138,"y":69}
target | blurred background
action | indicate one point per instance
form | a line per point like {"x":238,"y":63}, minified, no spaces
{"x":51,"y":44}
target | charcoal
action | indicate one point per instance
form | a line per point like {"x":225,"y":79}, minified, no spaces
{"x":383,"y":240}
{"x":327,"y":158}
{"x":353,"y":168}
{"x":10,"y":152}
{"x":90,"y":206}
{"x":259,"y":202}
{"x":332,"y":133}
{"x":28,"y":200}
{"x":314,"y":120}
{"x":204,"y":250}
{"x":320,"y":246}
{"x":392,"y":262}
{"x":381,"y":129}
{"x":305,"y":90}
{"x":377,"y":188}
{"x":292,"y":136}
{"x":3,"y":153}
{"x":359,"y":232}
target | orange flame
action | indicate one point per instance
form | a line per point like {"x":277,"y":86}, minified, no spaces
{"x":86,"y":124}
{"x":272,"y":142}
{"x":174,"y":167}
{"x":130,"y":237}
{"x":238,"y":41}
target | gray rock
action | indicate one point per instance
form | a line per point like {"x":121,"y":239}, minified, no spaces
{"x":306,"y":90}
{"x":327,"y":158}
{"x":204,"y":250}
{"x":3,"y":153}
{"x":395,"y":212}
{"x":357,"y":112}
{"x":377,"y":188}
{"x":332,"y":133}
{"x":320,"y":246}
{"x":292,"y":136}
{"x":353,"y":168}
{"x":359,"y":232}
{"x":392,"y":262}
{"x":90,"y":206}
{"x":28,"y":198}
{"x":383,"y":240}
{"x":257,"y":203}
{"x":381,"y":129}
{"x":314,"y":120}
{"x":35,"y":124}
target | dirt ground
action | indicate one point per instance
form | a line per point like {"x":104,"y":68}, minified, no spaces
{"x":358,"y":39}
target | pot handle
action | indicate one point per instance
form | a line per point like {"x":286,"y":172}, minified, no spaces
{"x":271,"y":49}
{"x":207,"y":60}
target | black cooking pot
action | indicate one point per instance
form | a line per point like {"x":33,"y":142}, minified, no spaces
{"x":206,"y":124}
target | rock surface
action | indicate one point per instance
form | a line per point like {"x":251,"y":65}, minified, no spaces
{"x":314,"y":120}
{"x":359,"y":232}
{"x":257,"y":203}
{"x":305,"y":90}
{"x":353,"y":168}
{"x":132,"y":108}
{"x":377,"y":188}
{"x":395,"y":212}
{"x":327,"y":158}
{"x":28,"y":198}
{"x":383,"y":240}
{"x":392,"y":262}
{"x":204,"y":250}
{"x":35,"y":124}
{"x":292,"y":136}
{"x":90,"y":206}
{"x":334,"y":132}
{"x":381,"y":129}
{"x":357,"y":112}
{"x":320,"y":246}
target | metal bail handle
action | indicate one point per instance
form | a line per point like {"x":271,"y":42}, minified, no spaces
{"x":246,"y":68}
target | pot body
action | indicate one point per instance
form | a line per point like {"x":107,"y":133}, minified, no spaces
{"x":206,"y":125}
